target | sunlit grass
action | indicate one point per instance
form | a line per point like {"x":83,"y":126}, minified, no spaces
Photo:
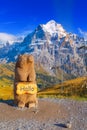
{"x":74,"y":89}
{"x":6,"y":93}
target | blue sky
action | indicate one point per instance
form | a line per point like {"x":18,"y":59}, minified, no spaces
{"x":18,"y":16}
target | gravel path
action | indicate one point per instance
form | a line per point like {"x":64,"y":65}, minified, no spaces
{"x":52,"y":114}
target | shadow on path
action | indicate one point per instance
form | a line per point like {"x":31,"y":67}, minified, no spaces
{"x":60,"y":125}
{"x":8,"y":102}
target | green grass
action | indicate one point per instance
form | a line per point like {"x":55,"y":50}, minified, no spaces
{"x":78,"y":98}
{"x":6,"y":93}
{"x":7,"y":79}
{"x":48,"y":86}
{"x":74,"y":89}
{"x":6,"y":74}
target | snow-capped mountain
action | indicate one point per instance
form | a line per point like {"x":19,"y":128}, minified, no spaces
{"x":53,"y":28}
{"x":52,"y":47}
{"x":46,"y":33}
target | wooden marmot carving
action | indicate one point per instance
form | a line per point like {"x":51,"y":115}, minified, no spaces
{"x":24,"y":69}
{"x":25,"y":72}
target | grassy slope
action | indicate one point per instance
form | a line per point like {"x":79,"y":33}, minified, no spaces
{"x":6,"y":74}
{"x":72,"y":88}
{"x":44,"y":80}
{"x":7,"y":79}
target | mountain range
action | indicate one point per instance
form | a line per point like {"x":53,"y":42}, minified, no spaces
{"x":53,"y":48}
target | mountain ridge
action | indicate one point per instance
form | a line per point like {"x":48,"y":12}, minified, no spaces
{"x":53,"y":47}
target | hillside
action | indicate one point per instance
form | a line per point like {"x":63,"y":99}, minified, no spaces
{"x":47,"y":84}
{"x":6,"y":81}
{"x":7,"y":78}
{"x":6,"y":74}
{"x":71,"y":88}
{"x":44,"y":79}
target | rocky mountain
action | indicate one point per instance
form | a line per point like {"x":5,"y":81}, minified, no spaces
{"x":53,"y":48}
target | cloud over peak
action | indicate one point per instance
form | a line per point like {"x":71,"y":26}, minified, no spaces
{"x":4,"y":37}
{"x":83,"y":33}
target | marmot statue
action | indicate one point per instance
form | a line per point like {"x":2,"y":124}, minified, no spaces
{"x":25,"y":72}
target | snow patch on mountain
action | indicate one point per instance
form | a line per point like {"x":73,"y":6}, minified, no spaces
{"x":51,"y":46}
{"x":53,"y":28}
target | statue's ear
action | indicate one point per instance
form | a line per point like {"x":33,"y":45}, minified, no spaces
{"x":19,"y":55}
{"x":27,"y":58}
{"x":30,"y":58}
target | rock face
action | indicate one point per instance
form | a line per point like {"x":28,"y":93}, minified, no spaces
{"x":52,"y":47}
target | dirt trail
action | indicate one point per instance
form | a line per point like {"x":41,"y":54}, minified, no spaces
{"x":52,"y":115}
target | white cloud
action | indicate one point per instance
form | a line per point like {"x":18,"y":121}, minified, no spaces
{"x":4,"y":37}
{"x":83,"y":33}
{"x":22,"y":35}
